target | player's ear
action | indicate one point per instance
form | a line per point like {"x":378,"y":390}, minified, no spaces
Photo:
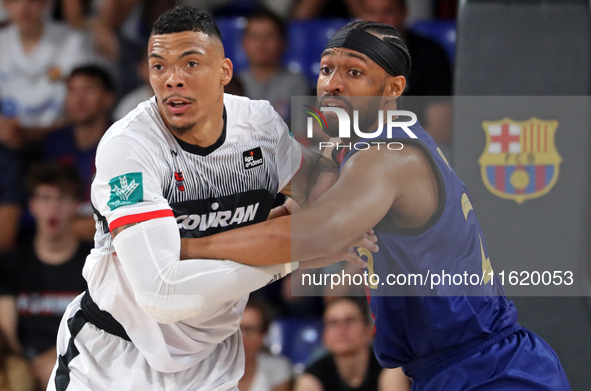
{"x":227,"y":71}
{"x":395,"y":85}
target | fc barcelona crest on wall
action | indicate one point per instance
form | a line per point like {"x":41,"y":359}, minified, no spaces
{"x":520,"y":160}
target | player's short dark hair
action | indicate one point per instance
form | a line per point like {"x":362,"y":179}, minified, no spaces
{"x":184,"y":18}
{"x":96,"y":72}
{"x":359,"y":302}
{"x":264,"y":311}
{"x":268,"y":15}
{"x":386,"y":33}
{"x":64,"y":177}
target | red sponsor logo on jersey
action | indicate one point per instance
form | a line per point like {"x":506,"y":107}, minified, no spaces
{"x":180,"y":181}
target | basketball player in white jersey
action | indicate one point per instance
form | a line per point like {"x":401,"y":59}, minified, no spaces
{"x":189,"y":160}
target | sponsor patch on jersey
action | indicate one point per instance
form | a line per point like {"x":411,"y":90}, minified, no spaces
{"x":198,"y":218}
{"x":180,"y":181}
{"x":252,"y":158}
{"x":126,"y":189}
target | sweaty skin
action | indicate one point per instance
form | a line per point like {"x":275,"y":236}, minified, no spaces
{"x":373,"y":184}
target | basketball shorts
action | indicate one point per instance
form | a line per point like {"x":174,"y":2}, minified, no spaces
{"x":92,"y":359}
{"x":514,"y":359}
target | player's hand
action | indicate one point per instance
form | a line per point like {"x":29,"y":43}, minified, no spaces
{"x":349,"y":255}
{"x":368,"y":241}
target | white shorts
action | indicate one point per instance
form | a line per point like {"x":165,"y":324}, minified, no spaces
{"x":95,"y":360}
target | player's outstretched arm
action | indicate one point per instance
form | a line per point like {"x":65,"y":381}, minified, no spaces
{"x":369,"y":184}
{"x":170,"y":290}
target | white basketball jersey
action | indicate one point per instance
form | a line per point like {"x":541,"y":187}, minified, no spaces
{"x":143,"y":172}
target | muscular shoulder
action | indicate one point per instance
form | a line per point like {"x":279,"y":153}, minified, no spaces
{"x":407,"y":162}
{"x":408,"y":175}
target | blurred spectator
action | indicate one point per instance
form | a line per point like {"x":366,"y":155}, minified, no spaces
{"x":308,"y":9}
{"x":88,"y":102}
{"x":10,"y":196}
{"x":15,"y":372}
{"x":137,"y":96}
{"x":350,"y":364}
{"x":35,"y":55}
{"x":264,"y":40}
{"x":121,"y":32}
{"x":430,"y":73}
{"x":263,"y":371}
{"x":77,"y":13}
{"x":40,"y":278}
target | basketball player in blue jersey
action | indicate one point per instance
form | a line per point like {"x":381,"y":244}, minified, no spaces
{"x":422,"y":215}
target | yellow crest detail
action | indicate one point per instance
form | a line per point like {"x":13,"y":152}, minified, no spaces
{"x":466,"y":205}
{"x":486,"y":266}
{"x":362,"y":251}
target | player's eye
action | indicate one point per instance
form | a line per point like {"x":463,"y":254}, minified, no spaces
{"x":325,"y":70}
{"x":157,"y":67}
{"x":355,"y":73}
{"x":192,"y":64}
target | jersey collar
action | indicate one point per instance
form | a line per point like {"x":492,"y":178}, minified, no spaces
{"x":204,"y":151}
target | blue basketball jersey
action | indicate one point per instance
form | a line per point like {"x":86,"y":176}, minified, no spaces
{"x":411,"y":327}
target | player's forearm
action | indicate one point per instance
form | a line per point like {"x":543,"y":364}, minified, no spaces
{"x":266,"y":243}
{"x":170,"y":290}
{"x":297,"y":238}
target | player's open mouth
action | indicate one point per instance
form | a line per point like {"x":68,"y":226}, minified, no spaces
{"x":177,"y":106}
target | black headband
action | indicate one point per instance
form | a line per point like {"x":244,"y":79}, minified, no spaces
{"x":389,"y":56}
